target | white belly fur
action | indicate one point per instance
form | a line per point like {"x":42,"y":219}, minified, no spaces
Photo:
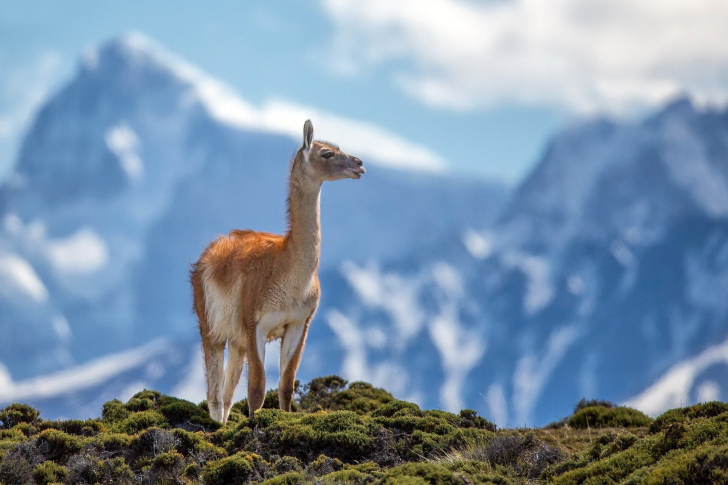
{"x":272,"y":324}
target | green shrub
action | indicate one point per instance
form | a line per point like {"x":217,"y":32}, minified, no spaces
{"x":16,"y":467}
{"x":151,"y":442}
{"x":167,"y":468}
{"x":83,"y":469}
{"x":323,"y":465}
{"x":286,"y":464}
{"x":240,"y":410}
{"x":426,"y":473}
{"x":290,"y":478}
{"x":189,"y":443}
{"x":346,"y":477}
{"x":593,"y":403}
{"x":111,"y":443}
{"x":233,"y":470}
{"x":17,"y":413}
{"x":397,"y":408}
{"x":87,"y":469}
{"x":525,"y":455}
{"x":184,"y":414}
{"x":470,"y":419}
{"x":332,"y":394}
{"x":604,"y":417}
{"x":114,"y":411}
{"x":680,"y":415}
{"x":340,"y":434}
{"x":49,"y":472}
{"x":140,"y":421}
{"x":77,"y":427}
{"x":706,"y":464}
{"x":57,"y":445}
{"x":146,"y":396}
{"x":115,"y":471}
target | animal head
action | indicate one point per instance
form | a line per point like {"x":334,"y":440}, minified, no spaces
{"x":325,"y":161}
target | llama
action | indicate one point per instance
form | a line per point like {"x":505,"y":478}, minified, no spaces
{"x":253,"y":287}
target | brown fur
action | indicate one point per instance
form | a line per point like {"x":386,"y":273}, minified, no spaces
{"x":250,"y":287}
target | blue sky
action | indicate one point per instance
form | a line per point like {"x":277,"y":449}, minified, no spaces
{"x":481,"y":84}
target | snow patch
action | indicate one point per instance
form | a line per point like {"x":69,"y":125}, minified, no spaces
{"x":62,"y":329}
{"x":193,"y":386}
{"x":539,"y":290}
{"x":673,"y":388}
{"x":479,"y":245}
{"x":532,"y":373}
{"x":388,"y":374}
{"x":21,"y":275}
{"x":460,"y":350}
{"x":495,"y":398}
{"x":124,"y":143}
{"x":354,"y":366}
{"x":708,"y":391}
{"x":394,"y":294}
{"x":81,"y":377}
{"x":84,"y":252}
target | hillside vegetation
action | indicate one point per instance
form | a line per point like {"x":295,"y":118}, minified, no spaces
{"x":358,"y":434}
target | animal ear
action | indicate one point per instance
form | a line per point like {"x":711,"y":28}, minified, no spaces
{"x":307,"y":135}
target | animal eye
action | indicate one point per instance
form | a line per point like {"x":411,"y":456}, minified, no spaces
{"x":327,"y":154}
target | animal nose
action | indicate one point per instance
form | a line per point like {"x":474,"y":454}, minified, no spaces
{"x":358,"y":162}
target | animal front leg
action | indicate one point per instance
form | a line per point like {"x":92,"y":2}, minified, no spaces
{"x":256,"y":371}
{"x":291,"y":350}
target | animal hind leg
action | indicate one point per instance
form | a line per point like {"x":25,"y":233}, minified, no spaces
{"x":233,"y":369}
{"x":291,"y":350}
{"x":214,"y":354}
{"x":256,"y":370}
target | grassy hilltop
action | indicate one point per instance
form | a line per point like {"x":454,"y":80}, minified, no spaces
{"x":359,"y":434}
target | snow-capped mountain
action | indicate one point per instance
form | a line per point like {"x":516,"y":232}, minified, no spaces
{"x":607,"y":272}
{"x":131,"y":169}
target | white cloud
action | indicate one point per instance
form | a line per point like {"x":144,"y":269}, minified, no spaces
{"x":613,"y":55}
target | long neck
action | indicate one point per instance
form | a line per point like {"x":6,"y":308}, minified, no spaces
{"x":304,"y":230}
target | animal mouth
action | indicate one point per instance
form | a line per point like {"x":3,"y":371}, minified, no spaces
{"x":356,"y":172}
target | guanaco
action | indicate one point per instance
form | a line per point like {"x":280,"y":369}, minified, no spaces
{"x":253,"y":287}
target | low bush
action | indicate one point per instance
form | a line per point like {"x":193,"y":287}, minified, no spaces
{"x":16,"y":414}
{"x":16,"y":467}
{"x":49,"y":472}
{"x":140,"y":421}
{"x":233,"y":470}
{"x":58,"y":446}
{"x":358,"y":434}
{"x":608,"y":417}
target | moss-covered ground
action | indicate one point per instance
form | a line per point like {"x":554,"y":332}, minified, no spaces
{"x":358,"y":434}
